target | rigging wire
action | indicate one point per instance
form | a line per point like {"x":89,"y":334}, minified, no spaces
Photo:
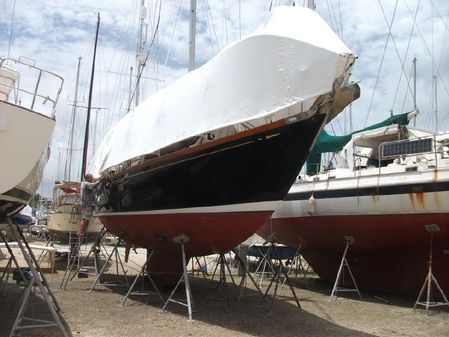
{"x":11,"y":31}
{"x":381,"y":62}
{"x":431,"y":56}
{"x":395,"y":46}
{"x":139,"y":76}
{"x":173,"y":33}
{"x":405,"y":57}
{"x":213,"y":25}
{"x":406,"y":92}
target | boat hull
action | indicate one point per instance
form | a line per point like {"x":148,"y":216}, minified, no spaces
{"x":218,"y":196}
{"x":62,"y":224}
{"x":391,"y":252}
{"x":391,"y":249}
{"x":25,"y":156}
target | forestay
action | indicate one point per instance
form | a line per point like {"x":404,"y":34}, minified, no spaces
{"x":276,"y":72}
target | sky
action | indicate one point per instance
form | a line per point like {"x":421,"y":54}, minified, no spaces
{"x":385,"y":34}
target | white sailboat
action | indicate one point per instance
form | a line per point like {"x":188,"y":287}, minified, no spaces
{"x":27,"y":119}
{"x":391,"y":181}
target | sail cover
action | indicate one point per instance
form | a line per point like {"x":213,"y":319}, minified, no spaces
{"x":291,"y":59}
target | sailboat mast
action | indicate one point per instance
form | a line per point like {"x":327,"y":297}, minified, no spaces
{"x":414,"y":89}
{"x":192,"y":33}
{"x":72,"y":124}
{"x":311,"y":4}
{"x":89,"y":104}
{"x":140,"y":48}
{"x":435,"y":102}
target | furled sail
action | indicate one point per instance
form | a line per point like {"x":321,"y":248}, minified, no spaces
{"x":276,"y":72}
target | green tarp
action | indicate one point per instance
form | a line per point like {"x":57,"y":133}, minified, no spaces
{"x":327,"y":143}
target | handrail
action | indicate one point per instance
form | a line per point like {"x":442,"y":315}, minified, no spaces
{"x":35,"y":94}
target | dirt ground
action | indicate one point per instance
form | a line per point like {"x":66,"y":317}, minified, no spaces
{"x":100,"y":313}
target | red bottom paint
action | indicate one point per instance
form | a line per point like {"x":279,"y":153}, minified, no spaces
{"x":209,"y":233}
{"x":391,"y":252}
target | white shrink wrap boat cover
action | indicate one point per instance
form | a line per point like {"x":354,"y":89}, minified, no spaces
{"x":292,"y":58}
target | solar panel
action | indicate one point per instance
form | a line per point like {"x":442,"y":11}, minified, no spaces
{"x":407,"y":147}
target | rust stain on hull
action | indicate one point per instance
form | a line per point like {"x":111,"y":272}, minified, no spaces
{"x":412,"y":200}
{"x":420,"y":199}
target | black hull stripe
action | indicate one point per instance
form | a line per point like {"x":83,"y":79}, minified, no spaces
{"x":251,"y":169}
{"x":371,"y":191}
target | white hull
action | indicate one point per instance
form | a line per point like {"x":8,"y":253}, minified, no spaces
{"x":24,"y":137}
{"x":371,"y":195}
{"x":64,"y":223}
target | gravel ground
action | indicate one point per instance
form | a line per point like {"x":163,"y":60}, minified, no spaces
{"x":100,"y":314}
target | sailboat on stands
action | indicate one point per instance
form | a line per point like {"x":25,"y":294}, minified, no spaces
{"x":391,"y":181}
{"x":27,"y":119}
{"x":213,"y":154}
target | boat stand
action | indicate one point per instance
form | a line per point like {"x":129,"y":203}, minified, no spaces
{"x":200,"y":268}
{"x":142,"y":275}
{"x":278,"y":269}
{"x":49,"y":242}
{"x":246,"y":274}
{"x":428,"y":303}
{"x":265,"y":261}
{"x":37,"y":279}
{"x":344,"y":263}
{"x":299,"y":267}
{"x":222,"y":282}
{"x":181,"y":239}
{"x":8,"y":268}
{"x":118,"y":261}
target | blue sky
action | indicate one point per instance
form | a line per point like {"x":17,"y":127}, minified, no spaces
{"x":55,"y":33}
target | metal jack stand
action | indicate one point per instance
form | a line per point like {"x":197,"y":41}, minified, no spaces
{"x":180,"y":240}
{"x":431,"y":228}
{"x":142,"y":275}
{"x":264,"y":262}
{"x":344,"y":263}
{"x":200,"y":267}
{"x":278,"y":269}
{"x":222,"y":283}
{"x":246,"y":273}
{"x":118,"y":260}
{"x":40,"y":281}
{"x":8,"y":269}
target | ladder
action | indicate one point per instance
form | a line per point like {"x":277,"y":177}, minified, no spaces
{"x":73,"y":257}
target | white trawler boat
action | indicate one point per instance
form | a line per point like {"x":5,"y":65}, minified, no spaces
{"x":213,"y":154}
{"x":27,"y":119}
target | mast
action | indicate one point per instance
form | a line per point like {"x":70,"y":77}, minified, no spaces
{"x":192,"y":33}
{"x":414,"y":89}
{"x":72,"y":124}
{"x":140,"y":58}
{"x":311,"y":4}
{"x":130,"y":89}
{"x":435,"y":102}
{"x":89,"y":104}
